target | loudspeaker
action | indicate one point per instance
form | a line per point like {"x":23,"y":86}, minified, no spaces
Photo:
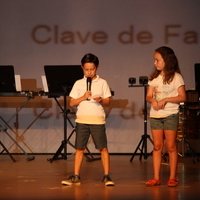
{"x":197,"y":76}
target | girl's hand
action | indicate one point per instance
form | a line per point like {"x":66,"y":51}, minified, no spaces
{"x":154,"y":104}
{"x":161,"y":104}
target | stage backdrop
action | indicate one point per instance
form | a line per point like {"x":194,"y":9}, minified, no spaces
{"x":122,"y":33}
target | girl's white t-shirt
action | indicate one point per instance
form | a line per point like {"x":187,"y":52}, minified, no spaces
{"x":162,"y":91}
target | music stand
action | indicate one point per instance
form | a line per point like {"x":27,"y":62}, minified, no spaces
{"x":60,"y":80}
{"x":145,"y":136}
{"x":7,"y":85}
{"x":6,"y":150}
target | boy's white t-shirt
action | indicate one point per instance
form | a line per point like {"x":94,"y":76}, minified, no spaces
{"x":162,"y":91}
{"x":90,"y":112}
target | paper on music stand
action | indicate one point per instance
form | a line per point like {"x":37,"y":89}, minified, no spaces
{"x":18,"y":83}
{"x":44,"y":82}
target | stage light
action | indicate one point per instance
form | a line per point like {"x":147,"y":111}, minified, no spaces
{"x":132,"y":80}
{"x":143,"y":80}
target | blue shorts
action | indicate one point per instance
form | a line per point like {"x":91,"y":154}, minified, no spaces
{"x":166,"y":123}
{"x":83,"y":132}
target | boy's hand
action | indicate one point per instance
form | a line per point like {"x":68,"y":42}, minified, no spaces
{"x":87,"y":94}
{"x":98,"y":99}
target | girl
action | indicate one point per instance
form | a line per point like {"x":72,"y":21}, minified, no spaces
{"x":165,"y":91}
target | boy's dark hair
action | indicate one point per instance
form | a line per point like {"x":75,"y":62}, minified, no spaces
{"x":90,"y":58}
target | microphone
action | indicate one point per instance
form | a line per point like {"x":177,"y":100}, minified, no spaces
{"x":89,"y":81}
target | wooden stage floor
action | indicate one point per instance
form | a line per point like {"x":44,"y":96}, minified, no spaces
{"x":41,"y":179}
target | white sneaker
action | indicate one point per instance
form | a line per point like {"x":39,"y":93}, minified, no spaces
{"x":107,"y":181}
{"x":72,"y":180}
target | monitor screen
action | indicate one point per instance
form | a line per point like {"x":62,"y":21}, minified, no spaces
{"x":197,"y":76}
{"x":7,"y":79}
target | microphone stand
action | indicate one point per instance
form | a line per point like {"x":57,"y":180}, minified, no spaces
{"x":63,"y":147}
{"x":145,"y":136}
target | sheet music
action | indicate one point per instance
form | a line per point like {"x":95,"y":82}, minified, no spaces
{"x":44,"y":82}
{"x":18,"y":83}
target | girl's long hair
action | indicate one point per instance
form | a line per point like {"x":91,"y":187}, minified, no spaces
{"x":171,"y":65}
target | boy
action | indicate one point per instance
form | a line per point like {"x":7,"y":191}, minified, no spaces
{"x":90,"y":117}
